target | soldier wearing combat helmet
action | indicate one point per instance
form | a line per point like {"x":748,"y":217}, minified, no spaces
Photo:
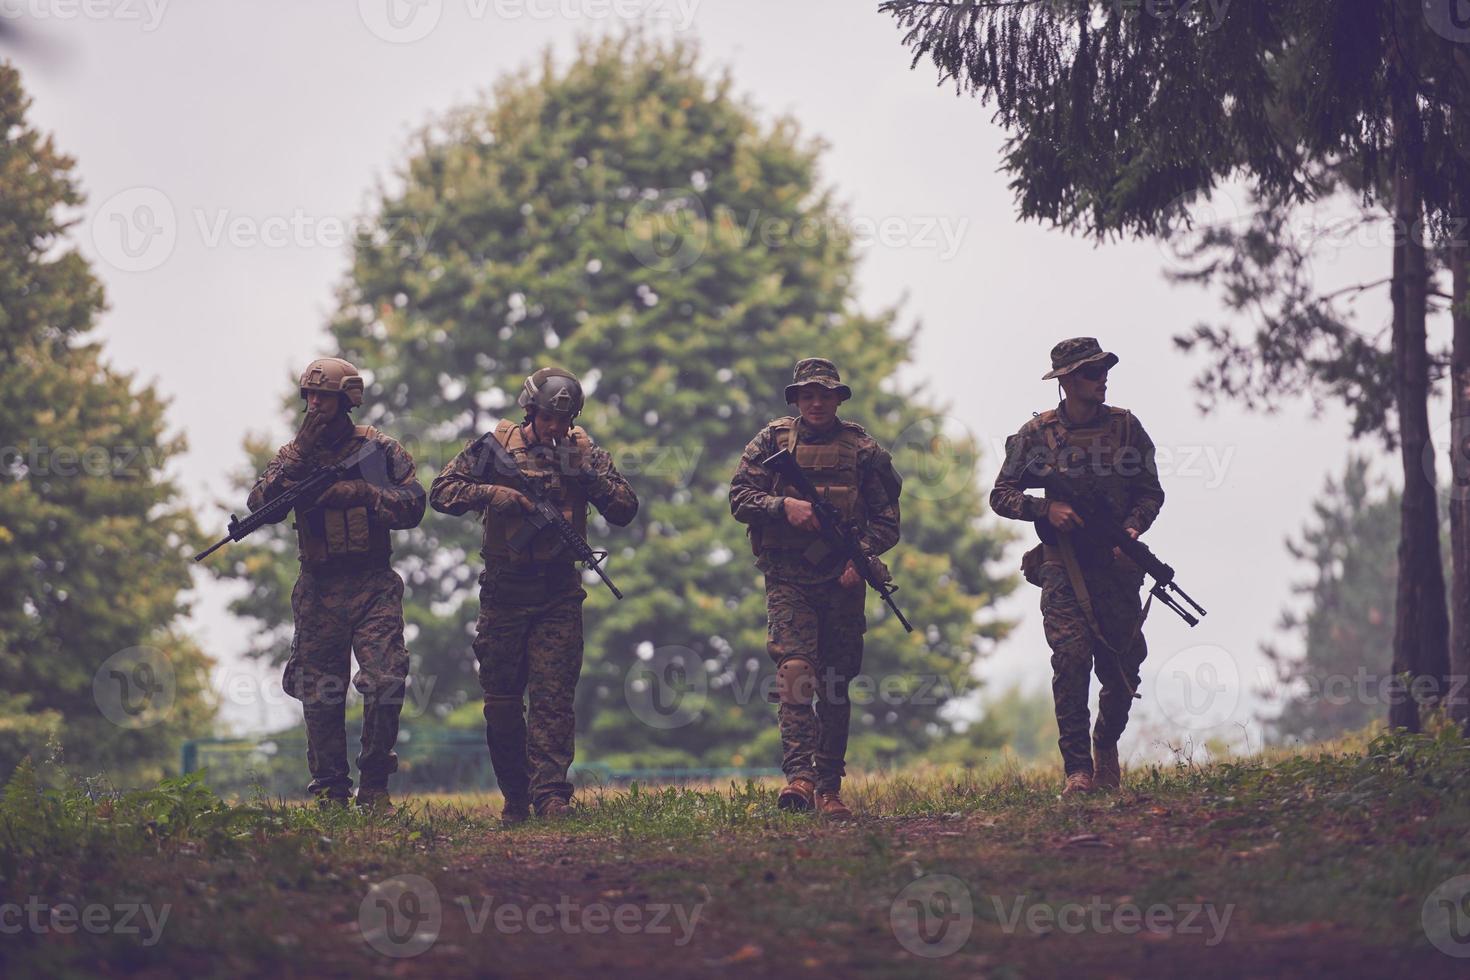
{"x":528,"y":638}
{"x":348,"y":600}
{"x":814,"y":600}
{"x":1089,"y":595}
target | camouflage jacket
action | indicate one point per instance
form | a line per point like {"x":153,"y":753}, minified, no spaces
{"x":1128,"y":477}
{"x":457,"y":489}
{"x":753,"y":501}
{"x":399,"y":499}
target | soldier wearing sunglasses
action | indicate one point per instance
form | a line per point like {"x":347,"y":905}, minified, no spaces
{"x":1090,"y":603}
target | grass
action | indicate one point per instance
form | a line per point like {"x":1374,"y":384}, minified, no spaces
{"x":1323,"y":859}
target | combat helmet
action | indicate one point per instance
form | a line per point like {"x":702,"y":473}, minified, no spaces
{"x":552,"y":389}
{"x":335,"y":375}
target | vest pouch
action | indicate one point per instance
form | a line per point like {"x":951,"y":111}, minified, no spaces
{"x":1031,"y":563}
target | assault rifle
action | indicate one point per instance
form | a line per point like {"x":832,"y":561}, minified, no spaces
{"x":303,"y":495}
{"x":1101,"y":528}
{"x":543,"y":515}
{"x":841,"y":536}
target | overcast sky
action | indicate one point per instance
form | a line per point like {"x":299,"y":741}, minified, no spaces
{"x":232,"y":142}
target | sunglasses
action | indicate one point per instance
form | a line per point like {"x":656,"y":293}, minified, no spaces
{"x":1094,"y":372}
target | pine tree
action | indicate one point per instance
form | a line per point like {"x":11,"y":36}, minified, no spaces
{"x":94,"y":539}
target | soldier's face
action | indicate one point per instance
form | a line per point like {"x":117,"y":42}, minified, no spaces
{"x":551,"y":427}
{"x":817,"y":405}
{"x":1089,"y":387}
{"x":323,"y":402}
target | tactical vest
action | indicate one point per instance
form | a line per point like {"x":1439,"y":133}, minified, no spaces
{"x":334,"y":536}
{"x":552,"y":474}
{"x":833,"y":469}
{"x":1101,"y":455}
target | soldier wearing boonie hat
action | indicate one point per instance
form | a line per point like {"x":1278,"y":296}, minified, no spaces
{"x":1090,"y":601}
{"x":814,"y":599}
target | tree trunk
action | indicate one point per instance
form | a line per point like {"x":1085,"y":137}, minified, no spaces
{"x":1421,"y":624}
{"x":1459,"y":690}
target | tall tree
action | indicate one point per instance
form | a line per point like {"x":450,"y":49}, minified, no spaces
{"x":629,"y":218}
{"x":1334,"y":682}
{"x":95,"y":537}
{"x":1122,"y":114}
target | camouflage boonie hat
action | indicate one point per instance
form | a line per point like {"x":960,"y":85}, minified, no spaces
{"x":1070,"y":355}
{"x":816,"y":371}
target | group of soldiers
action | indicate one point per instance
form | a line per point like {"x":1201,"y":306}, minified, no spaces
{"x":528,"y":636}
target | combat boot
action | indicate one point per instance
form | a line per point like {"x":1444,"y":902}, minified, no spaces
{"x":374,"y":798}
{"x":1105,"y":765}
{"x":830,"y":806}
{"x":799,"y":795}
{"x":1078,"y":784}
{"x":554,"y":808}
{"x":515,"y":812}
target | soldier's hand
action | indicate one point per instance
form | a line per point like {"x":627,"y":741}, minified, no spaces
{"x":1132,"y":533}
{"x":349,"y":493}
{"x":310,"y":433}
{"x":851,"y":577}
{"x":506,"y":500}
{"x":1063,"y":517}
{"x":801,"y":515}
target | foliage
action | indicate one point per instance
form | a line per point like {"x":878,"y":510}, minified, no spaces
{"x":93,"y":535}
{"x":629,"y":218}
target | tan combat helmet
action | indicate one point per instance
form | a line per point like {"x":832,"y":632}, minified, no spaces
{"x":552,"y":389}
{"x":333,"y":374}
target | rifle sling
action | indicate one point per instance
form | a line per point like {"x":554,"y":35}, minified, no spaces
{"x":1084,"y":599}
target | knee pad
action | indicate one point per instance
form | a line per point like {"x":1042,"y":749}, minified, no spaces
{"x":796,"y":681}
{"x":504,"y":711}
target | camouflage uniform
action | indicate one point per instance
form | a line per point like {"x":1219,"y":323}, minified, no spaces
{"x":348,"y":600}
{"x":528,"y":637}
{"x":1113,"y":455}
{"x":815,"y":626}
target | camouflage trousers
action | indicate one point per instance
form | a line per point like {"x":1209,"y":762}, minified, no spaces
{"x":530,"y":657}
{"x":823,"y":623}
{"x":1076,"y":654}
{"x":339,"y":614}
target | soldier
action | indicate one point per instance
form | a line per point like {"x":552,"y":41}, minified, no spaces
{"x":348,"y":599}
{"x":1089,"y":595}
{"x":814,"y":601}
{"x":529,"y":633}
